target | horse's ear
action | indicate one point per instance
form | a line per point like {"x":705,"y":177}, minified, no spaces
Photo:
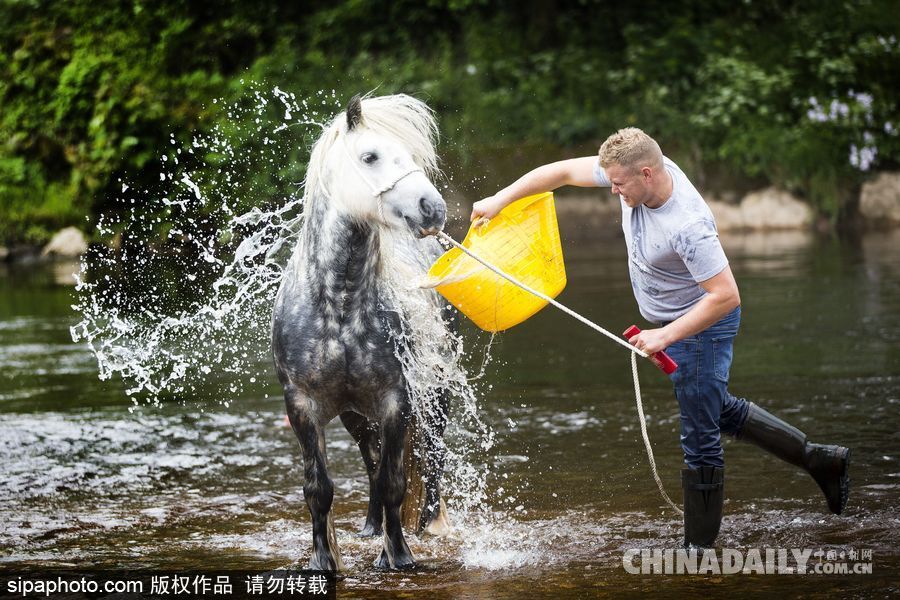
{"x":354,"y":112}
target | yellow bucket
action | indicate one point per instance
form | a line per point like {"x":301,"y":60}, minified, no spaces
{"x":523,"y":241}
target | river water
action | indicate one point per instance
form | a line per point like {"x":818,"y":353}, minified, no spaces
{"x":88,"y":480}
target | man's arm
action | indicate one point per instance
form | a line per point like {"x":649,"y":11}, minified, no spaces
{"x":575,"y":171}
{"x":721,"y":299}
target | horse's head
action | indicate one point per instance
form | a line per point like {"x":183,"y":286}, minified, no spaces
{"x":379,"y":162}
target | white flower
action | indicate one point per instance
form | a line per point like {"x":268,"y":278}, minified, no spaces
{"x":862,"y":158}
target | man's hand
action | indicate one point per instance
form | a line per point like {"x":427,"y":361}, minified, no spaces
{"x":486,"y":209}
{"x":651,"y":341}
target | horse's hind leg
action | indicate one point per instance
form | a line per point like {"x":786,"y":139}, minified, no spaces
{"x":366,"y":435}
{"x":318,"y":490}
{"x":433,"y":518}
{"x":391,"y":482}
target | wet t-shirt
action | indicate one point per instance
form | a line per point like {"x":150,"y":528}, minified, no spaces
{"x":670,"y":249}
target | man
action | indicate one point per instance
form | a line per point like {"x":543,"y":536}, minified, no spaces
{"x":682,"y":282}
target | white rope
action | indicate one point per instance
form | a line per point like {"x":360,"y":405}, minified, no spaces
{"x":640,"y":409}
{"x":634,"y":352}
{"x":443,"y":236}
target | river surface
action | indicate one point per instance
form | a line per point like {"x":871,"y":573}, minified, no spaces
{"x":87,"y":481}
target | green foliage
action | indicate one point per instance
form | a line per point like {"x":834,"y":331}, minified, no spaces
{"x":799,"y":93}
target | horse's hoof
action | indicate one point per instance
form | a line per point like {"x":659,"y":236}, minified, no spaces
{"x":322,"y":562}
{"x":401,"y":563}
{"x":439,"y":528}
{"x":437,"y":523}
{"x":370,"y":531}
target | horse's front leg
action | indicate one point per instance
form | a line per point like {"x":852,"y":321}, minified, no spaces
{"x":318,"y":489}
{"x":433,"y":518}
{"x":391,"y":480}
{"x":367,"y":435}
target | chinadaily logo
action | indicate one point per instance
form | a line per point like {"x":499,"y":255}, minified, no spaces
{"x":757,"y":561}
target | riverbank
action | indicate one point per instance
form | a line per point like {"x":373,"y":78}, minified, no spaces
{"x":763,"y":209}
{"x":66,"y":245}
{"x":97,"y":102}
{"x":766,"y":209}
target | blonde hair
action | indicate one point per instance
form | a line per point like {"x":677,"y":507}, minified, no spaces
{"x":630,"y":147}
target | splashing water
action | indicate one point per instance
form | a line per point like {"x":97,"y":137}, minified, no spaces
{"x":182,"y":294}
{"x":178,"y":300}
{"x":430,"y":366}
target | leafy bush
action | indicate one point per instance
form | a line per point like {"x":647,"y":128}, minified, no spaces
{"x":800,"y":94}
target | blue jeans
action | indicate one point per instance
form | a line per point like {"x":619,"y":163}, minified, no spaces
{"x":701,"y":387}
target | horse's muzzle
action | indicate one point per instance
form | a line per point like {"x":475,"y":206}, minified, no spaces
{"x":434,"y":215}
{"x":430,"y":231}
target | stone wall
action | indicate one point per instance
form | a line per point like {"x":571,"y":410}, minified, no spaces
{"x":766,"y":209}
{"x":879,"y":201}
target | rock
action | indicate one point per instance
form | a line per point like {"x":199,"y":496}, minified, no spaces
{"x":728,"y":216}
{"x":772,"y":208}
{"x":880,"y":199}
{"x":67,"y":243}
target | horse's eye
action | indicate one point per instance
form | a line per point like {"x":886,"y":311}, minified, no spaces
{"x":369,"y":158}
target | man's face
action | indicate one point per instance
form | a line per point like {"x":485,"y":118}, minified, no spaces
{"x":630,"y":183}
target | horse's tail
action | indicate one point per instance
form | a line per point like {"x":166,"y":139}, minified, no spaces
{"x":413,"y":469}
{"x":414,"y":502}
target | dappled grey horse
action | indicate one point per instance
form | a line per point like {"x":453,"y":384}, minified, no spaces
{"x":369,"y":211}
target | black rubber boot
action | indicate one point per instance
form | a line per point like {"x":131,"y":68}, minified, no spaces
{"x":827,"y":464}
{"x":704,"y":493}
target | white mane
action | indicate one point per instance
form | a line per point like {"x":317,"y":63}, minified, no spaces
{"x":405,"y":119}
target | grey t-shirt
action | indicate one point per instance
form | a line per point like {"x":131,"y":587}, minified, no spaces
{"x":670,"y":249}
